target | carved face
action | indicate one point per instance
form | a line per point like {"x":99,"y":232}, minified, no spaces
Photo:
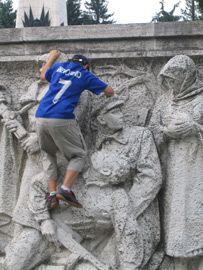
{"x":180,"y":74}
{"x":174,"y":84}
{"x":113,"y":119}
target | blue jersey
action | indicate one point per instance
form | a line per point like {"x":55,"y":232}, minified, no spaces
{"x":67,"y":82}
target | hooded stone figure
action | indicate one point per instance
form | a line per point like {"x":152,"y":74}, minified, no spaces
{"x":177,"y":124}
{"x":182,"y":73}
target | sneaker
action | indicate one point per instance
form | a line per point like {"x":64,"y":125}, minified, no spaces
{"x":52,"y":201}
{"x":69,"y":197}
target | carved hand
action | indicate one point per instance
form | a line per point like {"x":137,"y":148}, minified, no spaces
{"x":48,"y":229}
{"x":31,"y":144}
{"x":11,"y":125}
{"x":179,"y":128}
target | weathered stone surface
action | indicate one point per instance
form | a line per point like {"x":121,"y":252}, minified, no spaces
{"x":134,"y":216}
{"x":104,"y":41}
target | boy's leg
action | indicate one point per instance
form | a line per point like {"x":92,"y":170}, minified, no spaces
{"x":70,"y":178}
{"x":49,"y":160}
{"x":71,"y":144}
{"x":48,"y":151}
{"x":65,"y":193}
{"x":52,"y":185}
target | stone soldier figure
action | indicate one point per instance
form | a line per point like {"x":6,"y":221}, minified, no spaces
{"x":123,"y":180}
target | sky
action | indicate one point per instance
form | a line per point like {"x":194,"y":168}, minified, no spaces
{"x":134,"y":11}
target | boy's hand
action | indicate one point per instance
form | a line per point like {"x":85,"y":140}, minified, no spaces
{"x":54,"y":54}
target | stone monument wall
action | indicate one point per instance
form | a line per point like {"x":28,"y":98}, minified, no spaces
{"x":141,"y":188}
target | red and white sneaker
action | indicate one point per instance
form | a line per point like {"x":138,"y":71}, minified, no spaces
{"x":52,"y":201}
{"x":69,"y":197}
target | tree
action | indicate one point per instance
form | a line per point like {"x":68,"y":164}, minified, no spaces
{"x":74,"y":12}
{"x":200,"y":8}
{"x":191,"y":11}
{"x":97,"y":13}
{"x":164,"y":16}
{"x":200,"y":3}
{"x":7,"y":14}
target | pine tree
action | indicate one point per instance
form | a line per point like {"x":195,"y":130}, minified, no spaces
{"x":200,"y":8}
{"x":7,"y":15}
{"x":200,"y":4}
{"x":97,"y":13}
{"x":1,"y":24}
{"x":164,"y":16}
{"x":191,"y":11}
{"x":74,"y":12}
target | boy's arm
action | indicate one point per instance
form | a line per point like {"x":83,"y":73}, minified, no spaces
{"x":109,"y":91}
{"x":53,"y":55}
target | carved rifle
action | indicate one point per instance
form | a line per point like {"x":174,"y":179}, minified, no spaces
{"x":79,"y":252}
{"x":20,"y":133}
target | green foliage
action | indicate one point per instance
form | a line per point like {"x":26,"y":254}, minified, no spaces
{"x":164,"y":16}
{"x":7,"y":14}
{"x":200,"y":8}
{"x":87,"y":18}
{"x":74,"y":12}
{"x":191,"y":11}
{"x":200,"y":4}
{"x":97,"y":13}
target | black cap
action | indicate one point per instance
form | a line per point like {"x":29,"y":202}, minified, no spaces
{"x":80,"y":58}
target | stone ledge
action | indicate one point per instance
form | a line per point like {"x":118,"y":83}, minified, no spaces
{"x":93,"y":56}
{"x":103,"y":41}
{"x":95,"y":32}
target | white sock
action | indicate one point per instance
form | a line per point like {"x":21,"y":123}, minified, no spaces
{"x":65,"y":188}
{"x":53,"y":193}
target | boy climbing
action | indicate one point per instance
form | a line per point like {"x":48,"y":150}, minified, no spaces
{"x":56,"y":125}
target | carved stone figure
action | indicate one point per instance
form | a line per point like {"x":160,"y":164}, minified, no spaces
{"x":177,"y":124}
{"x":119,"y":225}
{"x":31,"y":166}
{"x":125,"y":167}
{"x":11,"y":155}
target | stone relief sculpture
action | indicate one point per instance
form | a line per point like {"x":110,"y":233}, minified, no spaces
{"x":125,"y":167}
{"x":119,"y":225}
{"x":34,"y":238}
{"x":136,"y":84}
{"x":11,"y":155}
{"x":177,"y":124}
{"x":31,"y":166}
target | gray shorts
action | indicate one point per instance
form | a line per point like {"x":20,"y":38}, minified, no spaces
{"x":62,"y":135}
